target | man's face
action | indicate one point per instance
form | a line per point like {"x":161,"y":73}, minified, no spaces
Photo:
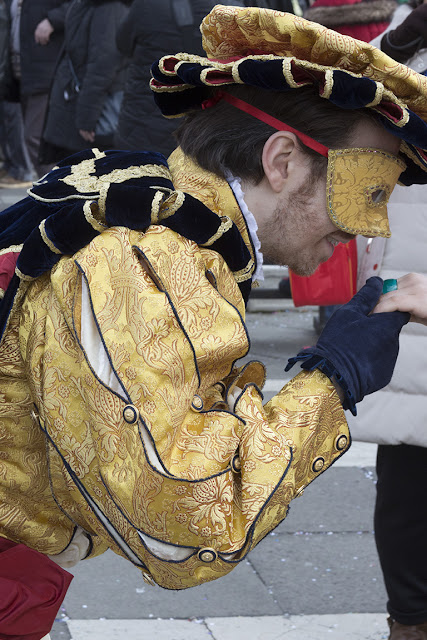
{"x":300,"y":233}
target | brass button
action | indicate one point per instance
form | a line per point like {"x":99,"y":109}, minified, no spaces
{"x":148,"y":579}
{"x":341,"y":442}
{"x":318,"y":464}
{"x":130,"y":414}
{"x":299,"y":492}
{"x":197,"y":403}
{"x":236,"y":465}
{"x":207,"y":555}
{"x":220,"y":385}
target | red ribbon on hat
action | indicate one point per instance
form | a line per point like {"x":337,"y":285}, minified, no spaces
{"x":265,"y":117}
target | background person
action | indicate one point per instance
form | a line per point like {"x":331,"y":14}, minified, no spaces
{"x":151,"y":29}
{"x":41,"y":34}
{"x":87,"y":89}
{"x":397,"y":418}
{"x":17,"y":169}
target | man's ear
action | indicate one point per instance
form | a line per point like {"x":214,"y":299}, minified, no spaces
{"x":278,"y":154}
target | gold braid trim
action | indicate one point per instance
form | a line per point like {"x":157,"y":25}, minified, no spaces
{"x":23,"y":276}
{"x":165,"y":72}
{"x":167,"y":89}
{"x":89,"y":207}
{"x":98,"y":154}
{"x":379,"y":93}
{"x":102,"y":198}
{"x":329,"y":84}
{"x":225,"y":225}
{"x":172,"y":204}
{"x":233,"y":69}
{"x":1,"y":293}
{"x":406,"y":149}
{"x":73,"y":196}
{"x":181,"y":57}
{"x":47,"y":240}
{"x":235,"y":73}
{"x":14,"y":248}
{"x":208,"y":83}
{"x":245,"y":273}
{"x":389,"y":95}
{"x":287,"y":72}
{"x":83,"y":181}
{"x":155,"y":206}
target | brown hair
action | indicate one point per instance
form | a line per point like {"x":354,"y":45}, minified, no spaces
{"x":223,"y":138}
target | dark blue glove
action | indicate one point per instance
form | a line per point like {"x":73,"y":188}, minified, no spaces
{"x":357,"y":349}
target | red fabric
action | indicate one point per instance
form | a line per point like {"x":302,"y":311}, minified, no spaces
{"x":333,"y":282}
{"x":32,"y":588}
{"x":365,"y":32}
{"x":7,"y":268}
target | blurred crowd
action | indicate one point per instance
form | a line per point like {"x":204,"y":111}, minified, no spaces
{"x":75,"y":73}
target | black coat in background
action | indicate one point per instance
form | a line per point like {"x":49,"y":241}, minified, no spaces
{"x":38,"y":61}
{"x":4,"y":46}
{"x":90,"y":45}
{"x":149,"y":32}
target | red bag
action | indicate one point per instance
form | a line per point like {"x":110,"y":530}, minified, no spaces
{"x":333,"y":282}
{"x":32,"y":588}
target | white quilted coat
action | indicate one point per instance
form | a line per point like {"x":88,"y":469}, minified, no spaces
{"x":398,"y":413}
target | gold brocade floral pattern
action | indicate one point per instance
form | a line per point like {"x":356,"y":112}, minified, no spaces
{"x":354,"y":176}
{"x":28,"y":512}
{"x":176,"y":338}
{"x":209,"y":189}
{"x":171,"y":319}
{"x":235,"y":31}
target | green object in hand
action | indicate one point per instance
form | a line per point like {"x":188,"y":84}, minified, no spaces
{"x":389,"y":285}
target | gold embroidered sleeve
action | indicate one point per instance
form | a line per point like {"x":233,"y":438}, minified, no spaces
{"x":290,"y":441}
{"x":144,"y":449}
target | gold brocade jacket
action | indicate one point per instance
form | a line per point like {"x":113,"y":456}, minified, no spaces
{"x":122,"y":412}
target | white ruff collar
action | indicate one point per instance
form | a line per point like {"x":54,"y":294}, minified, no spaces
{"x":236,"y":187}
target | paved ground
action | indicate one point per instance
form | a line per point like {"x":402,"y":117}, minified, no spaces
{"x":316,"y":577}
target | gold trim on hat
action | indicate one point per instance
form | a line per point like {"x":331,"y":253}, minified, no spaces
{"x":379,"y":94}
{"x":408,"y":151}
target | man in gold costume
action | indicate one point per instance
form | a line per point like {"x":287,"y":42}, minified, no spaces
{"x":125,"y":422}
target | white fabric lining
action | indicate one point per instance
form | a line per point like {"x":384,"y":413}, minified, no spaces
{"x":164,"y":550}
{"x":98,"y":359}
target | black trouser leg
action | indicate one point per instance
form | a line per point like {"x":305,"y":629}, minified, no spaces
{"x":401,"y":530}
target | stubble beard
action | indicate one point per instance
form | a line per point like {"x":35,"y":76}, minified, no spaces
{"x":290,"y":221}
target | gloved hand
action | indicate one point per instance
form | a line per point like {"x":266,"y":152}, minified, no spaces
{"x":358,"y":350}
